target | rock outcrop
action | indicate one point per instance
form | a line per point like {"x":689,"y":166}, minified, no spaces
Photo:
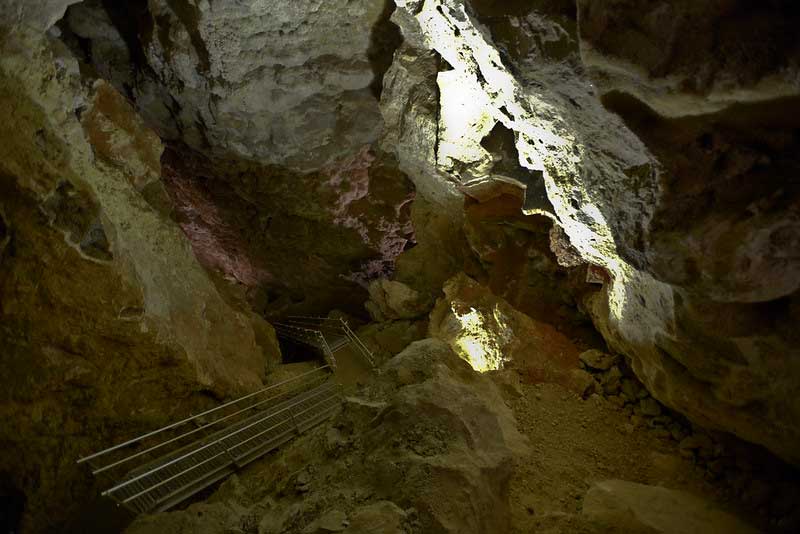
{"x":706,"y":332}
{"x":109,"y":325}
{"x":210,"y":75}
{"x":298,"y":243}
{"x":491,"y":335}
{"x":391,"y":300}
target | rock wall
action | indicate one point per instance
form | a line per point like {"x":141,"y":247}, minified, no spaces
{"x":694,"y":220}
{"x":208,"y":73}
{"x":109,"y":325}
{"x":299,"y":243}
{"x":271,"y":116}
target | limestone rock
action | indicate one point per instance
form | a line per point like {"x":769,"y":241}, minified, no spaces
{"x":581,"y":383}
{"x":597,"y":360}
{"x":650,"y":407}
{"x":394,"y":300}
{"x":439,"y":250}
{"x":248,"y":221}
{"x":464,"y":445}
{"x":38,"y":15}
{"x":623,"y":506}
{"x":727,"y":53}
{"x":489,"y":333}
{"x":612,"y":381}
{"x":124,"y":296}
{"x":387,"y":339}
{"x":516,"y":259}
{"x":382,"y":517}
{"x":263,"y":80}
{"x":332,"y":521}
{"x":119,"y":137}
{"x":688,"y":312}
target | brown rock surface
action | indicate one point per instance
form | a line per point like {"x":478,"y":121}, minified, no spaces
{"x":300,"y":243}
{"x":490,"y":334}
{"x":394,"y":300}
{"x":108,"y":324}
{"x":619,"y":505}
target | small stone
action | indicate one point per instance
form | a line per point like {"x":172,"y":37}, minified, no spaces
{"x":617,"y":401}
{"x":597,"y":360}
{"x":650,"y":407}
{"x":697,"y":442}
{"x":612,"y":381}
{"x":661,"y":420}
{"x":332,"y":521}
{"x":303,"y":477}
{"x":661,"y":433}
{"x":630,"y":390}
{"x":637,"y":420}
{"x":677,"y":432}
{"x":581,"y":383}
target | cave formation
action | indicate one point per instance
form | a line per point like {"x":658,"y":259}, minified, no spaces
{"x":566,"y":232}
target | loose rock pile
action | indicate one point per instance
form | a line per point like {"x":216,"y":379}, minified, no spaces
{"x":746,"y":472}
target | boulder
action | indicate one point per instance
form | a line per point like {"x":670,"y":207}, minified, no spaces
{"x":331,"y":521}
{"x":623,"y":506}
{"x":597,"y":360}
{"x":395,"y":300}
{"x":489,"y":333}
{"x":382,"y":517}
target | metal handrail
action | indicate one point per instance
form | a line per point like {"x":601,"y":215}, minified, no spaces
{"x":342,"y":326}
{"x":192,"y":418}
{"x":198,"y":429}
{"x":328,"y":351}
{"x":359,"y":344}
{"x":173,"y":477}
{"x":206,"y":446}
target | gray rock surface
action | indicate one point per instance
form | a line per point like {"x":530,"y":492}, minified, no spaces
{"x":285,"y":84}
{"x":686,"y":58}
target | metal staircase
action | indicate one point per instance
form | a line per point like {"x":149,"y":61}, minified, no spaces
{"x":325,"y":334}
{"x":172,"y":468}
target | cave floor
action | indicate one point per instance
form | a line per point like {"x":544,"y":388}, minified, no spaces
{"x":575,"y":443}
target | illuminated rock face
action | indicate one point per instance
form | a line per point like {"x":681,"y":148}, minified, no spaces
{"x":489,"y":334}
{"x":695,"y":221}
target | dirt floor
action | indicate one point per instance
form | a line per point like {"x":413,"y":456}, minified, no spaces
{"x":576,"y":442}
